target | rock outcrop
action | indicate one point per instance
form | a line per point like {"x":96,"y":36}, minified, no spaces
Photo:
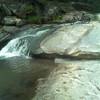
{"x":78,"y":40}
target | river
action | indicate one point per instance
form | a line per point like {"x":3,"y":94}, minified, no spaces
{"x":25,"y":76}
{"x":19,"y":77}
{"x":19,"y":73}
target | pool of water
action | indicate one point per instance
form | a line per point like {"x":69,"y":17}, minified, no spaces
{"x":19,"y":77}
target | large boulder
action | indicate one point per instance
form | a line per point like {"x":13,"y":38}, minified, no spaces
{"x":64,"y":38}
{"x":89,"y":45}
{"x":12,"y":20}
{"x":78,"y":40}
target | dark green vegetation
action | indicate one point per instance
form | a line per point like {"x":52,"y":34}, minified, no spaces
{"x":45,"y":11}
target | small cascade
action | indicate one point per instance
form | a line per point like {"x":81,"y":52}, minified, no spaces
{"x":22,"y":46}
{"x":16,"y":47}
{"x":28,"y":41}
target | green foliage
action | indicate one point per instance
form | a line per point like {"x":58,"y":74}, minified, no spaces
{"x":34,"y":19}
{"x":57,"y":17}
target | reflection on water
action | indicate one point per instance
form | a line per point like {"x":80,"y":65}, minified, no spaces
{"x":18,"y":77}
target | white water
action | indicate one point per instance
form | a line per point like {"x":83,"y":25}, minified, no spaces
{"x":21,"y":46}
{"x":15,"y":47}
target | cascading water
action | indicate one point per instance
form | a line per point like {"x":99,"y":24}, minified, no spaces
{"x":16,"y":47}
{"x":22,"y":46}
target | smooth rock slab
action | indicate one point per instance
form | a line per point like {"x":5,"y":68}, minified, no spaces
{"x":71,"y":80}
{"x":65,"y":38}
{"x":78,"y":40}
{"x":89,"y":45}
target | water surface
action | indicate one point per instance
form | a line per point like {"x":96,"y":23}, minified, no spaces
{"x":19,"y":77}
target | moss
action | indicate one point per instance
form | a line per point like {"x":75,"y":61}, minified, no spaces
{"x":34,"y":19}
{"x":58,"y":17}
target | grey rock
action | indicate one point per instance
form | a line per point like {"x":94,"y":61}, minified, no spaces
{"x":89,"y":45}
{"x":71,"y":80}
{"x":9,"y":20}
{"x":10,"y":29}
{"x":79,"y":40}
{"x":64,"y":38}
{"x":12,"y":20}
{"x":77,"y":16}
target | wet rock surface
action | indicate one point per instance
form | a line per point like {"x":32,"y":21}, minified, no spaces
{"x":71,"y":80}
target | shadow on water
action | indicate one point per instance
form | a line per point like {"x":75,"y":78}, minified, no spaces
{"x":19,"y":77}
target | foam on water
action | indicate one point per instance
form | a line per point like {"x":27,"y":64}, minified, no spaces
{"x":20,"y":46}
{"x":15,"y":47}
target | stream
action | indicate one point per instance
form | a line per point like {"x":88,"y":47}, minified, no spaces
{"x":19,"y":72}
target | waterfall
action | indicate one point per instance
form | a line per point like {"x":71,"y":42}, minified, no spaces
{"x":22,"y":45}
{"x":16,"y":47}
